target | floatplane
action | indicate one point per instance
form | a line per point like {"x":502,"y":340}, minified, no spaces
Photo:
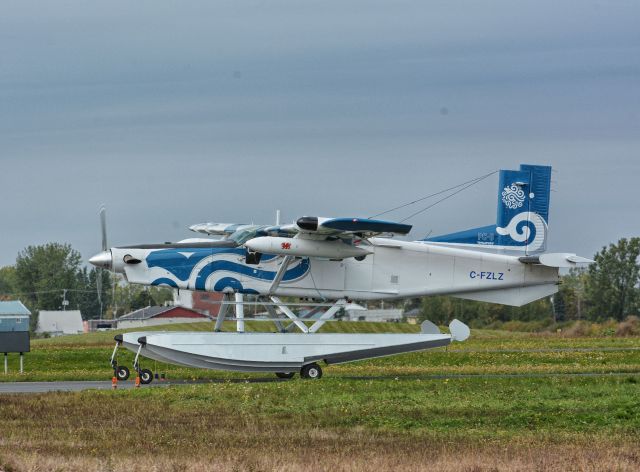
{"x":334,"y":262}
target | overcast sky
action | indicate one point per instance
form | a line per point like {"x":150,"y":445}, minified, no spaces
{"x":174,"y":113}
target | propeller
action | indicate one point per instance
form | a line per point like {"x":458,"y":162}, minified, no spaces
{"x":104,"y":247}
{"x":104,"y":260}
{"x":103,"y":229}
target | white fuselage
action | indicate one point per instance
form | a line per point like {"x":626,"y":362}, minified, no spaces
{"x":395,"y":269}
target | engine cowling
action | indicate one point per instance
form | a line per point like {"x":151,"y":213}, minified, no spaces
{"x":305,"y":247}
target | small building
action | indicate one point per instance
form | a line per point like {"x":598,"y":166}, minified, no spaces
{"x":204,"y":302}
{"x":57,"y":323}
{"x":207,"y":302}
{"x":381,"y":315}
{"x":159,"y":315}
{"x":99,"y":325}
{"x":412,"y":316}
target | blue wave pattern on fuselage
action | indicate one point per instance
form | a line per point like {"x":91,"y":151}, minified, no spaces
{"x":291,"y":274}
{"x":181,"y":263}
{"x":234,"y":284}
{"x":165,"y":281}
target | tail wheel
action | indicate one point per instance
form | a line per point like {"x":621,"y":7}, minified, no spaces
{"x":285,"y":375}
{"x":122,"y":372}
{"x":311,"y":371}
{"x":146,"y":376}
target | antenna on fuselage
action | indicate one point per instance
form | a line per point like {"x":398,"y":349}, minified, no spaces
{"x":277,"y":217}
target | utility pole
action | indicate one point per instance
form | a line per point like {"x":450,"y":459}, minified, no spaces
{"x":65,"y":302}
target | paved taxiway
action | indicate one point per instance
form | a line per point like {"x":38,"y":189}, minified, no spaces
{"x":77,"y":386}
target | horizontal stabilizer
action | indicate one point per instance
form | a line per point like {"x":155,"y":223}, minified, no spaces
{"x":459,"y":331}
{"x":559,"y":260}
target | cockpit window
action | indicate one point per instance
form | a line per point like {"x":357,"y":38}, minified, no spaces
{"x":245,"y":234}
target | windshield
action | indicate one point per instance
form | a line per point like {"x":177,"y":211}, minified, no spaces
{"x":245,"y":234}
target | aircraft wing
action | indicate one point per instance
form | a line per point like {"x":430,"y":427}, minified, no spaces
{"x":311,"y":227}
{"x":362,"y":227}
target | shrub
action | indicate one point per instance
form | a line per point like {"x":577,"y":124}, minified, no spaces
{"x":629,"y":327}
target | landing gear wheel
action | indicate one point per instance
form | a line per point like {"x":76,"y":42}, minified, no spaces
{"x":146,"y":376}
{"x":285,"y":375}
{"x":122,"y":372}
{"x":311,"y":371}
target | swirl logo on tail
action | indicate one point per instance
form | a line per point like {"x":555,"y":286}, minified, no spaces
{"x":519,"y":229}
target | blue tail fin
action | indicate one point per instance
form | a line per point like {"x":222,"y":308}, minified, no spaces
{"x":523,"y":214}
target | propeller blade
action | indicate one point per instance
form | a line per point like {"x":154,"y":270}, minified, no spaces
{"x":103,"y":228}
{"x":99,"y":286}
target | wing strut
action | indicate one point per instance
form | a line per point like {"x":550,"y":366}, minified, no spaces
{"x":280,"y":274}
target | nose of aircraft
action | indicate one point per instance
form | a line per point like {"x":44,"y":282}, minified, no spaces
{"x":102,"y":259}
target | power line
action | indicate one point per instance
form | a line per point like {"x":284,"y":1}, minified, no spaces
{"x":471,"y":182}
{"x":447,"y":197}
{"x":45,"y":291}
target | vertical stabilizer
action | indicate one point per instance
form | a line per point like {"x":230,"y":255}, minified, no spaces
{"x":523,"y":214}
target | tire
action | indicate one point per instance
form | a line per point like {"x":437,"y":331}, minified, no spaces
{"x":311,"y":371}
{"x":146,"y":376}
{"x":285,"y":375}
{"x":122,"y":372}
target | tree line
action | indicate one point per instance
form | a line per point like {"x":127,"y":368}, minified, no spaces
{"x":46,"y":276}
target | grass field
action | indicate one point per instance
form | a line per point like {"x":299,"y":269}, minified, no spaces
{"x":385,"y":414}
{"x":86,"y":357}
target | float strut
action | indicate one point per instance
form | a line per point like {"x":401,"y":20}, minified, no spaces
{"x":285,"y":309}
{"x":327,"y":315}
{"x":222,"y":312}
{"x":114,"y":359}
{"x":136,"y":363}
{"x":273,"y":314}
{"x":239,"y":312}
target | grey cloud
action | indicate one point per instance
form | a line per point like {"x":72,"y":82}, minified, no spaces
{"x":194,"y":111}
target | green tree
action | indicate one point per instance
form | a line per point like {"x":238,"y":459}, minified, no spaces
{"x":129,"y":297}
{"x":7,"y":282}
{"x":559,"y":306}
{"x":612,"y":282}
{"x":436,"y":309}
{"x":441,"y":310}
{"x":89,"y":303}
{"x":43,"y":272}
{"x":141,"y":300}
{"x":573,"y":292}
{"x":161,"y":295}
